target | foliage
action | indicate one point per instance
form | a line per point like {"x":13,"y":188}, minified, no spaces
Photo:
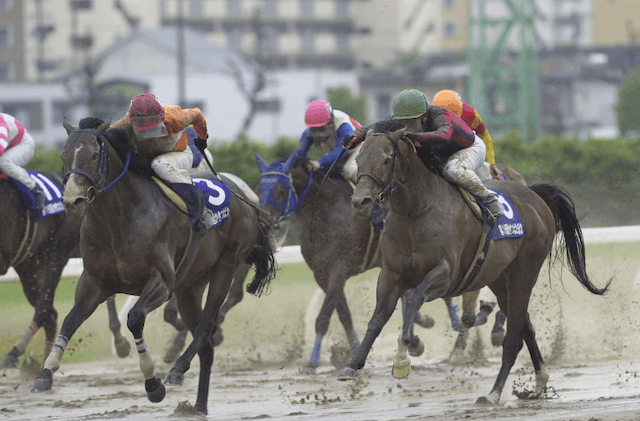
{"x":342,"y":99}
{"x":46,"y":160}
{"x":628,"y":107}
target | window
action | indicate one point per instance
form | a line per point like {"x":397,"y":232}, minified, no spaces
{"x":450,"y":29}
{"x":342,"y":42}
{"x":234,"y":7}
{"x":5,"y":72}
{"x":4,"y":37}
{"x":268,"y":106}
{"x":269,"y":41}
{"x":234,"y":38}
{"x":270,"y":7}
{"x":196,"y":8}
{"x":450,"y":4}
{"x":383,"y":106}
{"x":28,"y":113}
{"x":308,"y":41}
{"x":342,"y":7}
{"x":307,"y":7}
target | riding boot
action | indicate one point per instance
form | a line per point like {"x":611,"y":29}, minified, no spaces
{"x":200,"y":217}
{"x":494,"y":207}
{"x":40,"y":199}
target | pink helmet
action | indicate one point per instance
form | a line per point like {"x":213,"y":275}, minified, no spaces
{"x":318,"y":113}
{"x":146,"y":112}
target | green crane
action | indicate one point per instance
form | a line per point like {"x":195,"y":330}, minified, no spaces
{"x":503,"y":79}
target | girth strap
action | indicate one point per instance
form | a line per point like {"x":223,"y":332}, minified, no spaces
{"x":27,"y":241}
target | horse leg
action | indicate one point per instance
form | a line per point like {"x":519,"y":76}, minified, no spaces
{"x":35,"y":295}
{"x":542,"y":372}
{"x":407,"y":342}
{"x":322,"y":326}
{"x":86,"y":302}
{"x":518,"y":293}
{"x":456,"y":321}
{"x":236,"y":293}
{"x":387,"y":295}
{"x":171,"y":317}
{"x":469,"y":319}
{"x":123,"y":347}
{"x":497,"y":333}
{"x":154,"y":293}
{"x":344,"y":315}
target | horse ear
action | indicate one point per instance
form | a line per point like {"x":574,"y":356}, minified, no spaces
{"x":67,"y":126}
{"x":103,"y":127}
{"x":288,"y":164}
{"x":262,"y":164}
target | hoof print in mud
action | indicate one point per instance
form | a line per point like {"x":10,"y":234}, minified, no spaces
{"x":347,"y":373}
{"x":155,"y":390}
{"x":43,"y":382}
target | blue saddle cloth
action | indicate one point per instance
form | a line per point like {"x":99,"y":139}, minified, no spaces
{"x":52,"y":191}
{"x":509,"y":225}
{"x":217,"y":197}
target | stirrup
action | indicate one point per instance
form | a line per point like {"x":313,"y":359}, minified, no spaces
{"x":204,"y":223}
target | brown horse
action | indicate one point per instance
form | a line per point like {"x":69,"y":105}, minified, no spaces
{"x":334,"y":242}
{"x":431,"y":244}
{"x":135,"y":241}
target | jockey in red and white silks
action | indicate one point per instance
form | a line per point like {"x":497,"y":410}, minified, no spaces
{"x":17,"y":148}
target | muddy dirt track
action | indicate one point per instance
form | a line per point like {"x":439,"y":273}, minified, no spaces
{"x":590,"y":343}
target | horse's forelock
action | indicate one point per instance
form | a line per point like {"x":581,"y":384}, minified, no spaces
{"x":90,"y":123}
{"x":387,"y":126}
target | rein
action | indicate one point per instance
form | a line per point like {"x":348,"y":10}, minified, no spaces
{"x":99,"y":179}
{"x":389,"y":187}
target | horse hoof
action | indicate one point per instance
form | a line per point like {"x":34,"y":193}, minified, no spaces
{"x":174,"y":378}
{"x":416,"y":350}
{"x":401,"y":370}
{"x":123,"y":348}
{"x":426,"y":322}
{"x":218,"y":337}
{"x":491,"y":400}
{"x":308,"y":370}
{"x":348,"y":373}
{"x":155,"y":390}
{"x":43,"y":382}
{"x":497,"y":337}
{"x":9,"y":361}
{"x":456,"y":357}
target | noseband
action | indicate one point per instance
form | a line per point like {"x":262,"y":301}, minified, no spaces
{"x":393,"y":184}
{"x":292,"y":201}
{"x":99,"y":179}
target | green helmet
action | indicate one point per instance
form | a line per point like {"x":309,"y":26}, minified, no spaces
{"x":410,"y":103}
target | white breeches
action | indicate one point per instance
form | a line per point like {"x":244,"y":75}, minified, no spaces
{"x":350,"y":168}
{"x":462,"y":166}
{"x":15,"y":158}
{"x":485,"y":172}
{"x":174,"y":166}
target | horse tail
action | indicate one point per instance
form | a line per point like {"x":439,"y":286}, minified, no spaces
{"x":262,"y":260}
{"x":564,"y":213}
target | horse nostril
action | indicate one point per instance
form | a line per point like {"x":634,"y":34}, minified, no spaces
{"x":78,"y":202}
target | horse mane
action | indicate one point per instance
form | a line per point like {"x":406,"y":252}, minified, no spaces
{"x":432,"y":156}
{"x":119,"y":139}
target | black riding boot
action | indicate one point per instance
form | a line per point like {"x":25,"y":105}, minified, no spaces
{"x":40,"y":199}
{"x":200,"y":217}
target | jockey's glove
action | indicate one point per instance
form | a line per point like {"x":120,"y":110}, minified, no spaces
{"x":354,"y":139}
{"x":200,"y":143}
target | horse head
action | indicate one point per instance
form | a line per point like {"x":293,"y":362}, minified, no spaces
{"x":378,"y":169}
{"x":85,"y":164}
{"x":277,"y":194}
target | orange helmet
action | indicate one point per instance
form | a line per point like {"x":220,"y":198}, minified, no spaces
{"x":450,"y":100}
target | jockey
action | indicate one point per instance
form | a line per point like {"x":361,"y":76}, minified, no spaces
{"x":159,"y":132}
{"x":326,"y":128}
{"x":437,"y":125}
{"x":451,"y":100}
{"x":17,"y":148}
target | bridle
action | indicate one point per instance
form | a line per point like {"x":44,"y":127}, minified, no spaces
{"x":287,"y":207}
{"x":393,"y":184}
{"x":99,"y":179}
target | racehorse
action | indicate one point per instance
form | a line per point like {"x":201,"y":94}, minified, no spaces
{"x":334,"y":243}
{"x":38,"y":248}
{"x":434,"y":243}
{"x":134,"y":240}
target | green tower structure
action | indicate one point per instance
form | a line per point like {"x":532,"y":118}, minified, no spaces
{"x":503,"y":82}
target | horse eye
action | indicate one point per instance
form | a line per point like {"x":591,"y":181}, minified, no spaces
{"x":95,"y":156}
{"x":387,"y":160}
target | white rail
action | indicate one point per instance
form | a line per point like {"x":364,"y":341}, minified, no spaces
{"x":290,"y":255}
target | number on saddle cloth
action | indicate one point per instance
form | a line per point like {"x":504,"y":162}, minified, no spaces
{"x":509,"y":225}
{"x":213,"y":194}
{"x":52,"y":191}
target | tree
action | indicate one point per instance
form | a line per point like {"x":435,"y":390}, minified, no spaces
{"x":628,"y":108}
{"x":341,"y":99}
